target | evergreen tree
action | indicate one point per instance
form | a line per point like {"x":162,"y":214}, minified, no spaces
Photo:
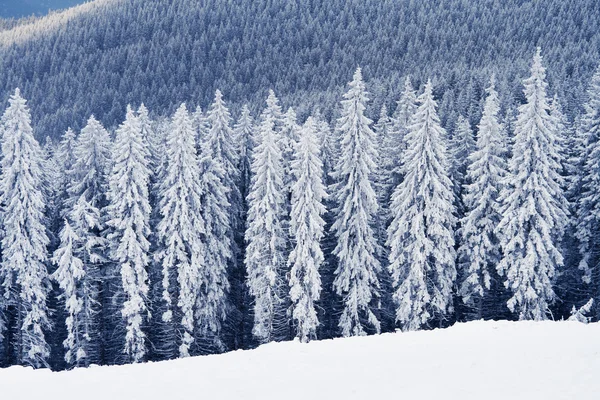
{"x":86,"y":200}
{"x":266,"y":246}
{"x":213,"y":290}
{"x":356,"y":279}
{"x":69,"y":275}
{"x":128,"y":222}
{"x":534,"y":206}
{"x":24,"y":241}
{"x":220,"y":147}
{"x":306,"y":230}
{"x":180,"y":236}
{"x":273,"y":111}
{"x":421,"y":237}
{"x":479,"y":251}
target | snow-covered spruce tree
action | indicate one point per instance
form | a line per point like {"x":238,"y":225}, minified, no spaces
{"x":534,"y":207}
{"x":83,"y":328}
{"x":128,"y":214}
{"x":273,"y":111}
{"x":421,"y":236}
{"x":220,"y":146}
{"x":266,"y":247}
{"x":84,"y":207}
{"x":213,"y":288}
{"x":479,"y":250}
{"x":180,"y":230}
{"x":306,"y":231}
{"x":356,"y":279}
{"x":588,"y":208}
{"x":69,"y":275}
{"x":23,"y":268}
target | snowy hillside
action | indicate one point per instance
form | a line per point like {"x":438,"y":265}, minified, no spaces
{"x":478,"y":360}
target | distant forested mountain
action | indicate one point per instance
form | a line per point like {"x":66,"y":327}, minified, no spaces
{"x":165,"y":52}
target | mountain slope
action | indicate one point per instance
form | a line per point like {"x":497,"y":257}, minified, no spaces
{"x":163,"y":52}
{"x":478,"y":360}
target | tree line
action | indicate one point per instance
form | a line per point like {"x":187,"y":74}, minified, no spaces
{"x":191,"y":235}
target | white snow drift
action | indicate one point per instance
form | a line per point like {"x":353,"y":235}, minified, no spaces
{"x":478,"y":360}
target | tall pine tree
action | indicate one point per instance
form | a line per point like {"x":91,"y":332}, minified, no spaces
{"x":479,"y":251}
{"x":306,"y":230}
{"x":181,"y":251}
{"x":24,"y":241}
{"x":534,"y":206}
{"x":356,"y":276}
{"x":266,"y":246}
{"x":128,"y":216}
{"x":421,"y":236}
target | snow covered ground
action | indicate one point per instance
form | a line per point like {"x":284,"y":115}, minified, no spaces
{"x":478,"y":360}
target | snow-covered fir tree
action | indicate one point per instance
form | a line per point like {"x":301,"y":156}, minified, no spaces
{"x":128,"y":215}
{"x":24,"y":240}
{"x":421,"y":236}
{"x":266,"y":247}
{"x":87,"y":188}
{"x":219,"y":144}
{"x":356,"y":279}
{"x":588,"y":207}
{"x":534,"y":207}
{"x":69,"y":275}
{"x":273,"y":111}
{"x":306,"y":230}
{"x":181,"y":251}
{"x":213,"y":288}
{"x":479,"y":250}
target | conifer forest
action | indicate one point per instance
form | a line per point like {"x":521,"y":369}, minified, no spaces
{"x":184,"y":178}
